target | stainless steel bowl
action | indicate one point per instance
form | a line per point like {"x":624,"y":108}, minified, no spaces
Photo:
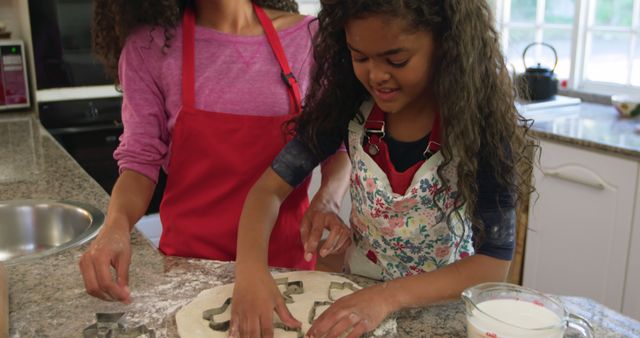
{"x":32,"y":229}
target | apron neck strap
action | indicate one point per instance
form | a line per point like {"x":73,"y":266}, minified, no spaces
{"x":375,"y":124}
{"x":287,"y":76}
{"x":188,"y":59}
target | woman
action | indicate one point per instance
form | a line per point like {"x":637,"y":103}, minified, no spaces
{"x":206,"y":100}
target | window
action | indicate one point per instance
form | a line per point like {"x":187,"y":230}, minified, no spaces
{"x":597,"y":41}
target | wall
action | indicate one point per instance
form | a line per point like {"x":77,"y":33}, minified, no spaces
{"x":309,"y":7}
{"x":9,"y":15}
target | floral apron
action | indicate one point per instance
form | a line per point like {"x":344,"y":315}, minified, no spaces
{"x":401,"y":235}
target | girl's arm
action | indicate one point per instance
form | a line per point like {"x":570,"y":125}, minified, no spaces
{"x":259,"y":214}
{"x":447,"y":282}
{"x":260,"y":211}
{"x":366,"y":309}
{"x":256,"y":295}
{"x":323,"y":212}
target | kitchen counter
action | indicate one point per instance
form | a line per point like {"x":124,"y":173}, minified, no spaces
{"x":47,"y":297}
{"x":588,"y":125}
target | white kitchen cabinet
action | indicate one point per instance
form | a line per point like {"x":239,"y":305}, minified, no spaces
{"x":631,"y":301}
{"x":314,"y":186}
{"x":580,"y":224}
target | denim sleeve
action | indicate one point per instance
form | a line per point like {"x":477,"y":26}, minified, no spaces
{"x":499,"y":233}
{"x":296,"y":161}
{"x":496,"y":209}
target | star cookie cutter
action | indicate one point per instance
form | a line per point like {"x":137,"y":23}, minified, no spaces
{"x":292,"y":288}
{"x":316,"y":304}
{"x":340,"y":286}
{"x":108,"y":326}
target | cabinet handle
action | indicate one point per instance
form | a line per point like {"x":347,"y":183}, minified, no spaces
{"x":578,"y":180}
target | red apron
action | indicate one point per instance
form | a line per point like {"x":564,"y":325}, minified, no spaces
{"x":215,"y":159}
{"x":379,"y":151}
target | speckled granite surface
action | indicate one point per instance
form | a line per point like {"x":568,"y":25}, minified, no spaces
{"x":47,"y":297}
{"x":588,"y":125}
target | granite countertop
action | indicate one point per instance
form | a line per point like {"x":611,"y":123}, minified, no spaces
{"x":47,"y":296}
{"x":588,"y":125}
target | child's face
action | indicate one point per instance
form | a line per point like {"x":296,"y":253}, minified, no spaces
{"x":393,"y":62}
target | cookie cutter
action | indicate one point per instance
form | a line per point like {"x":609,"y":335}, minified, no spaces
{"x":108,"y":326}
{"x":340,"y":286}
{"x":292,"y":288}
{"x":316,"y":304}
{"x":281,"y":326}
{"x":209,"y":315}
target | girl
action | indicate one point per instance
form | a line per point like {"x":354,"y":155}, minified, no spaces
{"x":204,"y":98}
{"x":419,"y":91}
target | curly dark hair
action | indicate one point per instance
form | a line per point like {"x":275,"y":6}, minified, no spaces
{"x":114,"y":20}
{"x":471,"y":83}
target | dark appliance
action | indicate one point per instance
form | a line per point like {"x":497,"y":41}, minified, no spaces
{"x":77,"y":102}
{"x":539,"y":83}
{"x":89,"y":131}
{"x":61,"y":35}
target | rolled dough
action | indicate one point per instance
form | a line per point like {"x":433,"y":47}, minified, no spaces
{"x":316,"y":286}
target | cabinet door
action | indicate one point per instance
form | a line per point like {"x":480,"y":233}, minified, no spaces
{"x":580,"y":223}
{"x":631,"y":302}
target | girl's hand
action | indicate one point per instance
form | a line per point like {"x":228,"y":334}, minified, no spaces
{"x":112,"y":248}
{"x":322,"y":216}
{"x":255,"y":297}
{"x":360,"y":312}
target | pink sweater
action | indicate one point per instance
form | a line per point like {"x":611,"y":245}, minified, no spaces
{"x":234,"y":74}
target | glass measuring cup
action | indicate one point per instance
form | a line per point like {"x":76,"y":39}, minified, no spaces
{"x":507,"y":310}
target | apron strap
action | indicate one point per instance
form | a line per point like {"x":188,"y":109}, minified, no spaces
{"x":188,"y":59}
{"x":434,"y":143}
{"x":287,"y":76}
{"x":375,"y":125}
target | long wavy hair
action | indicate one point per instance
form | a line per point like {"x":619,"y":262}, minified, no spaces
{"x":114,"y":20}
{"x":471,"y":83}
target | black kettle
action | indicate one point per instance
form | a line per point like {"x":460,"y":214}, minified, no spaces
{"x":539,"y":83}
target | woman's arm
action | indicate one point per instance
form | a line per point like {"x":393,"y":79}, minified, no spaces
{"x":112,"y":248}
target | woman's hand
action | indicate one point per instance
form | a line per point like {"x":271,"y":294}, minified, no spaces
{"x":320,"y":216}
{"x":359,"y":312}
{"x":255,"y":297}
{"x":112,"y":248}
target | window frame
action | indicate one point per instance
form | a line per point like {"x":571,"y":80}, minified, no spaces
{"x":583,"y":28}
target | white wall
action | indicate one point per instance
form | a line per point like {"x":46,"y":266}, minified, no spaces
{"x":345,"y":208}
{"x":307,"y":7}
{"x":9,"y":15}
